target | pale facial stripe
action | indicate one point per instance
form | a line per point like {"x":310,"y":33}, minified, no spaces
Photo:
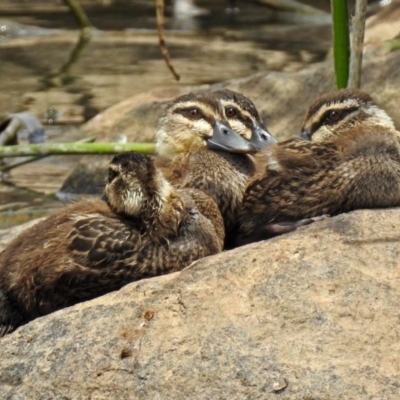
{"x":243,"y":112}
{"x":349,"y":103}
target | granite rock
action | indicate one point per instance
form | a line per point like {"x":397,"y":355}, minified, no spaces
{"x":309,"y":315}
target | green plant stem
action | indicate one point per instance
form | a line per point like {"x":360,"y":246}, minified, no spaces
{"x":48,"y":149}
{"x":27,"y":160}
{"x":340,"y":34}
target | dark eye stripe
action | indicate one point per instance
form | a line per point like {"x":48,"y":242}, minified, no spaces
{"x":342,"y":114}
{"x":185,"y":111}
{"x":240,"y":116}
{"x":324,"y":120}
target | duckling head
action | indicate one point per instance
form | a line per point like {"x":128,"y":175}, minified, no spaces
{"x":243,"y":117}
{"x":333,"y":113}
{"x":135,"y":184}
{"x":196,"y":120}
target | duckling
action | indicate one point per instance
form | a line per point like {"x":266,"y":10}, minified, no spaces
{"x":351,"y":160}
{"x":195,"y":135}
{"x":244,"y":119}
{"x":334,"y":113}
{"x":220,"y":175}
{"x":190,"y":119}
{"x":145,"y":228}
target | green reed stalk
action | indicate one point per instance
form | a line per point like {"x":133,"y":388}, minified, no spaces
{"x":341,"y":43}
{"x":47,"y":149}
{"x":27,"y":160}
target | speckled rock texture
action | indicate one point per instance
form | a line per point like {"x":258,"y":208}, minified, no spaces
{"x":309,"y":315}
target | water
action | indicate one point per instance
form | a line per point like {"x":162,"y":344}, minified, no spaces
{"x":43,"y":73}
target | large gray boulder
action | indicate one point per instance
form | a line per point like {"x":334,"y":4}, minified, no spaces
{"x":309,"y":315}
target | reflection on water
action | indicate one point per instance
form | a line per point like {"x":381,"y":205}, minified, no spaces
{"x":185,"y":13}
{"x":20,"y":205}
{"x":64,"y":75}
{"x":125,"y":61}
{"x":52,"y":72}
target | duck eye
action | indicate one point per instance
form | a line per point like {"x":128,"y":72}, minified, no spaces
{"x":194,"y":113}
{"x":333,"y":116}
{"x":230,"y":112}
{"x":112,"y":174}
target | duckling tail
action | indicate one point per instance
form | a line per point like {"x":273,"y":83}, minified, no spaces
{"x":10,"y":317}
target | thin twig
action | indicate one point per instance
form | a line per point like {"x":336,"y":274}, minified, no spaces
{"x":161,"y":38}
{"x":357,"y":43}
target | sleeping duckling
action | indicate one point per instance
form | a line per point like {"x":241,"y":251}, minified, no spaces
{"x":144,"y":229}
{"x":351,"y":162}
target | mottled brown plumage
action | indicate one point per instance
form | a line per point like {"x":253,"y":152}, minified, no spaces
{"x":352,"y":161}
{"x":221,"y":175}
{"x":146,"y":228}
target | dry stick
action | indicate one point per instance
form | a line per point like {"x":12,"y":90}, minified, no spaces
{"x":357,"y":44}
{"x":163,"y":46}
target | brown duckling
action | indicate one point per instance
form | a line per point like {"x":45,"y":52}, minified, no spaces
{"x":219,"y":174}
{"x":189,"y":123}
{"x":351,"y":162}
{"x":145,"y":228}
{"x":194,"y":127}
{"x":243,"y":118}
{"x":334,"y":113}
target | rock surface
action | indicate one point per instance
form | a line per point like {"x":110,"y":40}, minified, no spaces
{"x":309,"y":315}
